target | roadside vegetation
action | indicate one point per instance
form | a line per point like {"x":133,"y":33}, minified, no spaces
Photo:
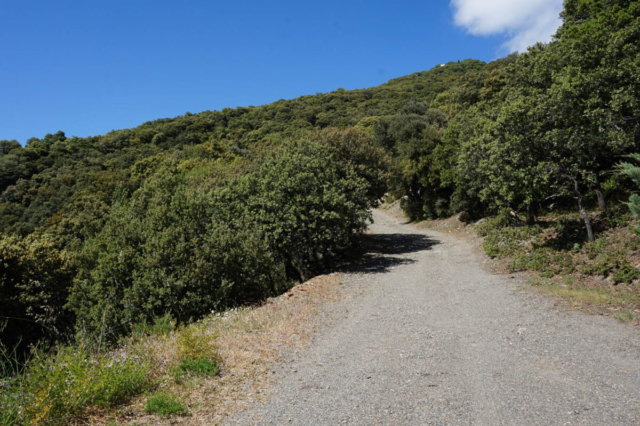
{"x":163,"y":372}
{"x":137,"y":231}
{"x":600,"y":276}
{"x":61,"y":385}
{"x":543,"y":155}
{"x":53,"y":389}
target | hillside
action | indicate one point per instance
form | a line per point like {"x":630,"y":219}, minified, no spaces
{"x":136,"y":232}
{"x":51,"y":175}
{"x":58,"y":192}
{"x":524,"y":134}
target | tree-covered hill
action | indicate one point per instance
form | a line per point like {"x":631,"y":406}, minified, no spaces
{"x":70,"y":208}
{"x":55,"y":177}
{"x":210,"y":210}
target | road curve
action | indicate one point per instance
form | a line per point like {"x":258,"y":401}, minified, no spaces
{"x":437,"y":340}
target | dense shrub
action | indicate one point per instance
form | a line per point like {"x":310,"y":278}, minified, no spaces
{"x":626,"y":274}
{"x":356,"y":148}
{"x":185,"y":247}
{"x":162,"y":252}
{"x":308,"y":204}
{"x":34,"y":280}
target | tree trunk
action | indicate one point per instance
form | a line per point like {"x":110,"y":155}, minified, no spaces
{"x":531,"y":216}
{"x":583,"y":212}
{"x":292,"y":271}
{"x":601,"y":203}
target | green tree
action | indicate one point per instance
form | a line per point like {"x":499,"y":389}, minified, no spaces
{"x":161,"y":251}
{"x":308,"y":203}
{"x":355,"y":147}
{"x":632,"y":171}
{"x":7,"y":146}
{"x":34,"y":277}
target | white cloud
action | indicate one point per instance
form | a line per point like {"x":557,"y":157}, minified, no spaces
{"x":525,"y":22}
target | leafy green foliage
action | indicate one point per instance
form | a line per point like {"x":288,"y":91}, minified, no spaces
{"x":632,"y":172}
{"x":165,"y":404}
{"x":34,"y":280}
{"x":161,"y":326}
{"x":186,"y":244}
{"x":162,"y":251}
{"x":306,"y":202}
{"x":356,"y":148}
{"x":201,"y":366}
{"x":567,"y":110}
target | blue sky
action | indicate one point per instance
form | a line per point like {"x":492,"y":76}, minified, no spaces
{"x":87,"y":67}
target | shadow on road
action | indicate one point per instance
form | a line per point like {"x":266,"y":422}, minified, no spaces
{"x":397,"y":244}
{"x":382,"y":252}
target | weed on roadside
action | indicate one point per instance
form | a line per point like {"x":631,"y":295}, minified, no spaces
{"x":610,"y":299}
{"x":201,"y":366}
{"x":625,"y":316}
{"x":165,"y":404}
{"x":54,"y":387}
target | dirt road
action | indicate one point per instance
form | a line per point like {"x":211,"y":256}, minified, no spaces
{"x":437,"y":340}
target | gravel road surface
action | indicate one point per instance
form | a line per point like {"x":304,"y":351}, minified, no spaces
{"x":435,"y":339}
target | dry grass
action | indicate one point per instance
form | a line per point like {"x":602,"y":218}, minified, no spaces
{"x":589,"y":296}
{"x":249,"y":342}
{"x":616,"y":301}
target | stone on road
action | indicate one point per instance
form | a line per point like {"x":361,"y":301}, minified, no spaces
{"x":437,"y":340}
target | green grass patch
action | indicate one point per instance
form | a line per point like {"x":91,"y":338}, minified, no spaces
{"x":578,"y":296}
{"x":200,"y":366}
{"x":54,"y":387}
{"x":165,"y":404}
{"x":625,"y":316}
{"x":197,"y":353}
